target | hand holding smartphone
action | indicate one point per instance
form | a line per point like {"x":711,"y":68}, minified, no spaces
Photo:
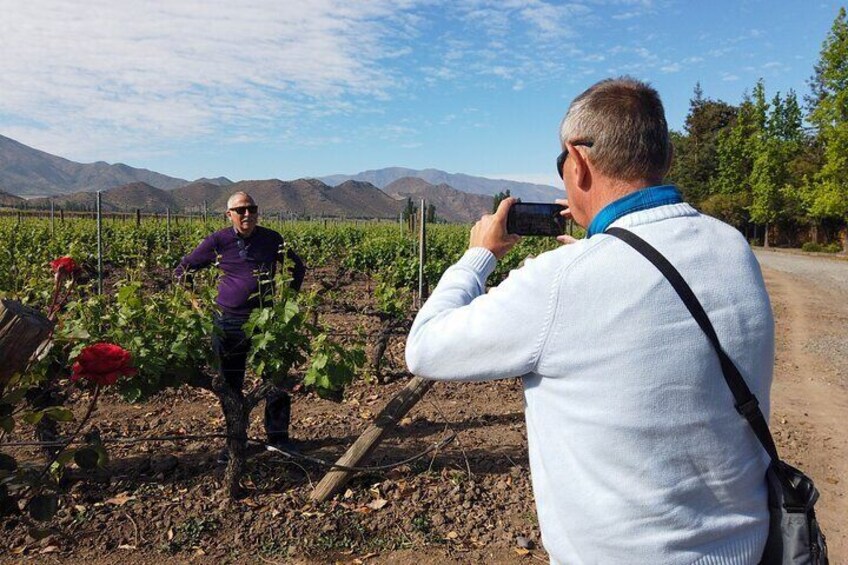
{"x":536,"y":218}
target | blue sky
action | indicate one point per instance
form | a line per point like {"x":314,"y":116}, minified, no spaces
{"x":264,"y":89}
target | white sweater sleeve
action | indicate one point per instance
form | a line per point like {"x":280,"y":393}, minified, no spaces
{"x":463,"y":334}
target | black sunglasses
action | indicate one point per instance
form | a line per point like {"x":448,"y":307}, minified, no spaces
{"x":564,"y":154}
{"x":240,"y":210}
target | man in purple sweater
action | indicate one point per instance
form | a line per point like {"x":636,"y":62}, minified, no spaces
{"x":245,"y":253}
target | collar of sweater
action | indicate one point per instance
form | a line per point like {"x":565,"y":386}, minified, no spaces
{"x":644,"y":199}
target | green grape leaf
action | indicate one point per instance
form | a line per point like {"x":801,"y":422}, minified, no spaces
{"x":59,"y":414}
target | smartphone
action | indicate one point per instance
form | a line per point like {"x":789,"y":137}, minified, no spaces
{"x":535,"y":218}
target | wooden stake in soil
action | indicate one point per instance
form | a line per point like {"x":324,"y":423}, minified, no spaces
{"x":99,"y":214}
{"x":422,"y":254}
{"x":22,"y":330}
{"x":387,"y":419}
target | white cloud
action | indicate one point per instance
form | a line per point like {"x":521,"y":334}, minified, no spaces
{"x":728,"y":77}
{"x":671,"y":68}
{"x":146,"y":73}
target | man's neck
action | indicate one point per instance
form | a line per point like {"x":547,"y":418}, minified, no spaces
{"x":613,"y":189}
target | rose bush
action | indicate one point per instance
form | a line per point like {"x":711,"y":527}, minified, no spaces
{"x":102,"y":364}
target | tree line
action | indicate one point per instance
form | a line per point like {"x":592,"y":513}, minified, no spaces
{"x":772,"y":166}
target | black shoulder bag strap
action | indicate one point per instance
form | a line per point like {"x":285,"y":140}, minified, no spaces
{"x":746,"y":403}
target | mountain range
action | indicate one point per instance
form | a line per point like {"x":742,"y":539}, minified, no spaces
{"x":302,"y":197}
{"x":39,"y":177}
{"x":28,"y":172}
{"x":381,"y":178}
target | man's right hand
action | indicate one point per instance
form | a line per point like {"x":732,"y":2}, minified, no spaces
{"x":490,"y":232}
{"x":565,"y":239}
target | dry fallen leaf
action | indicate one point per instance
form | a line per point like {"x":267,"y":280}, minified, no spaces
{"x":521,"y":551}
{"x":348,"y":493}
{"x":452,"y":535}
{"x":120,"y":499}
{"x":127,"y":547}
{"x":50,"y":549}
{"x":377,"y":504}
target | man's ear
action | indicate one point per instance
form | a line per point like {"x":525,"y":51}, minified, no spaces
{"x":583,"y":176}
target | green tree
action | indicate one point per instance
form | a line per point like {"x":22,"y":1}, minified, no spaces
{"x":734,"y":153}
{"x":410,"y":210}
{"x":785,"y":120}
{"x":696,"y":161}
{"x":768,"y":177}
{"x":829,"y":114}
{"x":496,"y":199}
{"x":430,"y":214}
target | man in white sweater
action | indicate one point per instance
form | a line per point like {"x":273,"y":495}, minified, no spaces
{"x":636,"y":451}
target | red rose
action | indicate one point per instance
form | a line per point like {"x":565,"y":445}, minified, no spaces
{"x":103,"y":363}
{"x":65,"y":265}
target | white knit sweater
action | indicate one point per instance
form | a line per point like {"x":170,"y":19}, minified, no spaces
{"x":636,"y":452}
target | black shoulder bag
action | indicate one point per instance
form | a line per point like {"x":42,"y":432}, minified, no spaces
{"x":795,"y":537}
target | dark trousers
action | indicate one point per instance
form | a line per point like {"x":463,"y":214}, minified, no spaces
{"x":232,"y":347}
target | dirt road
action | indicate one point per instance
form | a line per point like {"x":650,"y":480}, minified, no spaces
{"x":810,"y":390}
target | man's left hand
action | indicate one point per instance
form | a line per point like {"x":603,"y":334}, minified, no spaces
{"x":490,"y":232}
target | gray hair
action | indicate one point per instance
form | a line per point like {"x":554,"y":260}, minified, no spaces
{"x":239,"y":193}
{"x":624,"y":120}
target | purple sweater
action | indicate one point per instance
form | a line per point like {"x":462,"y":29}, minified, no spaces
{"x":242,"y":261}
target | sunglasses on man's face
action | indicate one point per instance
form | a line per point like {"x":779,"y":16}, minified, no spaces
{"x":240,"y":210}
{"x":564,"y":154}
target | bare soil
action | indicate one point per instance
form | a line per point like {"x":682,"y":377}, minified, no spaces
{"x":469,"y":503}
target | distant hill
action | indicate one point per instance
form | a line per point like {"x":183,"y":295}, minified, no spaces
{"x":303,"y":197}
{"x":25,"y":171}
{"x":9,"y":200}
{"x":451,"y":204}
{"x":314,"y":198}
{"x":465,"y":183}
{"x":125,"y":198}
{"x":220,"y":181}
{"x":192,"y":196}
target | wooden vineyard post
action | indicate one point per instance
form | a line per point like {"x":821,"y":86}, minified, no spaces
{"x":388,"y":417}
{"x":422,"y":253}
{"x":99,"y":244}
{"x":22,"y":330}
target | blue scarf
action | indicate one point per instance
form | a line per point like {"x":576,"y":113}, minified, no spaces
{"x":643,"y":199}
